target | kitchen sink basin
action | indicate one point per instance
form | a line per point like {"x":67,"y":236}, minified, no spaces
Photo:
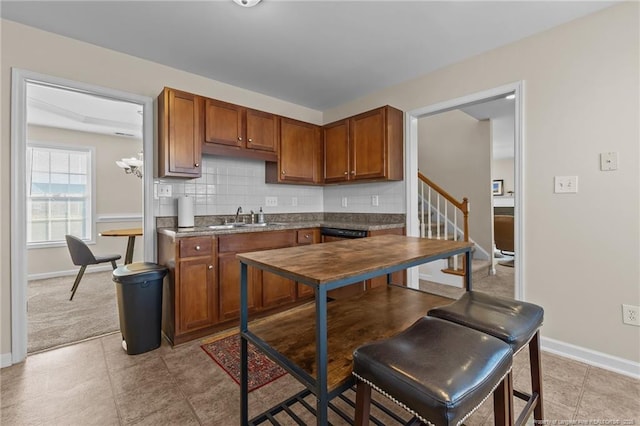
{"x":220,"y":227}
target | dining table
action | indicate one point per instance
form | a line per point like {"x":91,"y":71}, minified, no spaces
{"x":131,"y":234}
{"x":315,"y":342}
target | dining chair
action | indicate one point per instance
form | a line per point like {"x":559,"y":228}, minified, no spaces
{"x":82,"y":256}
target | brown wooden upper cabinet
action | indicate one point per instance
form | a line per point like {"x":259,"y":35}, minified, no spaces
{"x":229,"y":127}
{"x":365,"y":147}
{"x":299,"y":155}
{"x":179,"y":134}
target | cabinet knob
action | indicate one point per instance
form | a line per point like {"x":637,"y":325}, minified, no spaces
{"x":283,"y":172}
{"x":307,"y":236}
{"x":210,"y":266}
{"x":346,"y":173}
{"x":250,"y":140}
{"x":353,"y":172}
{"x":239,"y":138}
{"x":197,"y":247}
{"x":197,"y":164}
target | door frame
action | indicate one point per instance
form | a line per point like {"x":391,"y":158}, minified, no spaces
{"x":19,"y":80}
{"x":411,"y":166}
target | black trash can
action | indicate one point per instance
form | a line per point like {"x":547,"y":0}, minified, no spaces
{"x":139,"y":293}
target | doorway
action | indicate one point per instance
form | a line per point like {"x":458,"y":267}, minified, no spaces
{"x":411,"y":164}
{"x":21,"y":136}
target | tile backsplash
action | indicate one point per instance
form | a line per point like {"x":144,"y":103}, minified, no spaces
{"x":227,"y":183}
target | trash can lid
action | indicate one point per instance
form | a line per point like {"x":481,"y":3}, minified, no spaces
{"x":138,"y":272}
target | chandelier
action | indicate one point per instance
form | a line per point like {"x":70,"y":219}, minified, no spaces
{"x":132,"y":166}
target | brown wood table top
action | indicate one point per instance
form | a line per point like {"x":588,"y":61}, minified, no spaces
{"x":376,"y":314}
{"x":131,"y":232}
{"x":329,"y":262}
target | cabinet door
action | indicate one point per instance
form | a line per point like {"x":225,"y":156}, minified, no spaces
{"x":368,"y":145}
{"x":229,"y":287}
{"x":180,"y":134}
{"x":262,"y":130}
{"x":223,"y":123}
{"x":299,"y":156}
{"x":276,"y":289}
{"x":336,"y":151}
{"x":196,"y":298}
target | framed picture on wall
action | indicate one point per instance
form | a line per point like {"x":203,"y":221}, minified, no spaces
{"x":498,"y":187}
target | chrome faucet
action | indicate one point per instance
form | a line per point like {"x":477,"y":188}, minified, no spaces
{"x":238,"y":213}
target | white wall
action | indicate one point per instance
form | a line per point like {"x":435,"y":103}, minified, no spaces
{"x":582,"y":85}
{"x":503,"y":169}
{"x":117,"y":194}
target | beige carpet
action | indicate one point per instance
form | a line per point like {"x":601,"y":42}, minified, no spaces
{"x":53,"y":320}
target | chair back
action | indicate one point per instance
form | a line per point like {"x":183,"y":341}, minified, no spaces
{"x":503,"y":232}
{"x":79,"y":251}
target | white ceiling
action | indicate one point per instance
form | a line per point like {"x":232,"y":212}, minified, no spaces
{"x":502,"y":114}
{"x":318,"y":54}
{"x":68,"y":109}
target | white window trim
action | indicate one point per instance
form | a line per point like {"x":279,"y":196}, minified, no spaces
{"x":92,"y":177}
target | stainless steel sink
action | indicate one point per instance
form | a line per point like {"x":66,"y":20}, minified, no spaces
{"x":220,"y":227}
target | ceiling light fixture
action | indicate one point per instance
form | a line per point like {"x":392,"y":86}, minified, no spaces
{"x":511,"y":96}
{"x":132,"y":166}
{"x":247,"y":3}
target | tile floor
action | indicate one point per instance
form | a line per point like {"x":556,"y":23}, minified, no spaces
{"x":96,"y":383}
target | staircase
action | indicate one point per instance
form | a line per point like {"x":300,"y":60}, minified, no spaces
{"x":441,"y":216}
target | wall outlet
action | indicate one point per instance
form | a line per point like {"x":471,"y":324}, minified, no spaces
{"x":294,"y":201}
{"x":565,"y":184}
{"x":344,"y":202}
{"x":271,"y":201}
{"x":374,"y":200}
{"x":164,"y":190}
{"x":631,"y":314}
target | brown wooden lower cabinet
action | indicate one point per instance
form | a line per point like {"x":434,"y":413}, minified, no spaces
{"x":190,"y":289}
{"x":201,"y":293}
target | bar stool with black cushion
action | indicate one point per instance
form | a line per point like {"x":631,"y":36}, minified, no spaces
{"x":514,"y":322}
{"x":439,"y":371}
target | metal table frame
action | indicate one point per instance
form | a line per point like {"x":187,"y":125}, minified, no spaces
{"x":316,"y":385}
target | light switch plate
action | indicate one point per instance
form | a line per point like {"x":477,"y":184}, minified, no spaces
{"x":565,"y":184}
{"x":608,"y":161}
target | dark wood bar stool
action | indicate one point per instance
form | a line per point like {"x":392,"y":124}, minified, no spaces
{"x":439,"y":371}
{"x":514,"y":322}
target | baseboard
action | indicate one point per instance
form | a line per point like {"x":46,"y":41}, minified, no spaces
{"x":5,"y":360}
{"x":71,"y":272}
{"x":445,"y":279}
{"x":591,"y":357}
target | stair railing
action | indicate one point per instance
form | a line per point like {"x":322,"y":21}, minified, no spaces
{"x":440,"y":210}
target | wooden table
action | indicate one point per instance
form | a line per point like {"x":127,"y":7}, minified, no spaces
{"x":326,"y":267}
{"x":132,"y":233}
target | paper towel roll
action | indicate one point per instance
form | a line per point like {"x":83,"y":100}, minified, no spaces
{"x":185,"y":212}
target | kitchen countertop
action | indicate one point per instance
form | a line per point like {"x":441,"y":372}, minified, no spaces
{"x":277,"y":226}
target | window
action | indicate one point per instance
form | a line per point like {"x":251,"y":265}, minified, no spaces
{"x":59,"y":189}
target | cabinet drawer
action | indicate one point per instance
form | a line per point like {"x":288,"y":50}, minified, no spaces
{"x":197,"y":246}
{"x":306,"y":236}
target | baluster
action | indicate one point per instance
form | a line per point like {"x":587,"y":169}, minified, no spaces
{"x":422,"y":209}
{"x":438,"y":216}
{"x":446,"y":221}
{"x":429,"y":230}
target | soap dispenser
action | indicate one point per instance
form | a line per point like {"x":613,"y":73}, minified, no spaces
{"x":260,"y":216}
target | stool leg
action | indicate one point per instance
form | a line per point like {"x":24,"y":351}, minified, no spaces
{"x":502,"y":401}
{"x":363,"y":404}
{"x":536,"y":374}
